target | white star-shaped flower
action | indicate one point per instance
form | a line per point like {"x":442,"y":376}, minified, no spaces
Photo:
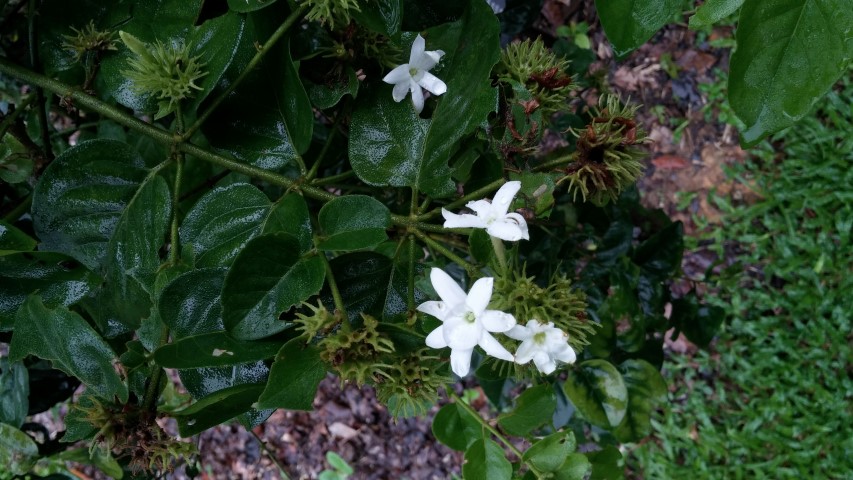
{"x":410,"y":77}
{"x":493,"y":216}
{"x":465,"y":321}
{"x":544,"y":344}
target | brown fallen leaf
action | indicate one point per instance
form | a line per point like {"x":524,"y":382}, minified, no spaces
{"x":670,"y":162}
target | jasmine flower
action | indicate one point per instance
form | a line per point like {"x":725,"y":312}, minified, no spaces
{"x":410,"y":77}
{"x":544,"y":344}
{"x":493,"y":216}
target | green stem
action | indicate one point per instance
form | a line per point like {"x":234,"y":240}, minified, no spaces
{"x":176,"y":195}
{"x":329,"y":139}
{"x":500,"y":252}
{"x":557,"y":162}
{"x":270,"y":454}
{"x":410,"y":297}
{"x":470,"y":410}
{"x":16,"y":212}
{"x":469,"y":267}
{"x":336,"y":294}
{"x":152,"y":392}
{"x":34,"y":64}
{"x":332,"y":179}
{"x":248,"y":70}
{"x":476,"y":194}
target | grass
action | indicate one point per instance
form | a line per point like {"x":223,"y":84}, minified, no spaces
{"x":773,"y":397}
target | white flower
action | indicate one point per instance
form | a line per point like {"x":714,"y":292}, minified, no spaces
{"x":492,"y":216}
{"x":410,"y":77}
{"x":465,"y":321}
{"x":542,"y":343}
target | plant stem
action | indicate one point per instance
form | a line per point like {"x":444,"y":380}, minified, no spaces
{"x":269,"y":454}
{"x":410,"y":293}
{"x":333,"y":286}
{"x":500,"y":252}
{"x":332,"y":179}
{"x":152,"y":391}
{"x":34,"y":64}
{"x":476,"y":194}
{"x":176,"y":194}
{"x":469,"y":267}
{"x":470,"y":410}
{"x":329,"y":139}
{"x":250,"y":67}
{"x":557,"y":162}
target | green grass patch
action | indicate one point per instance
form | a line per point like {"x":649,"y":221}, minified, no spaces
{"x":772,"y":398}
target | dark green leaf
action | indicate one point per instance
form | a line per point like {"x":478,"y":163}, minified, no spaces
{"x":18,"y":452}
{"x":362,"y":279}
{"x":327,"y":95}
{"x":99,"y":457}
{"x":353,"y":222}
{"x":59,"y":280}
{"x":789,"y":53}
{"x":698,"y":322}
{"x":295,"y":375}
{"x":64,"y":338}
{"x":481,"y":246}
{"x":76,"y":426}
{"x":290,"y":215}
{"x":646,"y":389}
{"x":190,"y":304}
{"x":248,"y":5}
{"x":214,"y":349}
{"x":455,"y":428}
{"x":382,"y":16}
{"x":549,"y":453}
{"x":575,"y":467}
{"x":660,"y":255}
{"x":267,"y":278}
{"x":391,"y":145}
{"x":216,"y":408}
{"x":485,"y":459}
{"x":606,"y":464}
{"x":629,"y":23}
{"x":596,"y":388}
{"x":534,"y":408}
{"x":712,"y":11}
{"x":216,"y":43}
{"x":13,"y":240}
{"x":536,"y":194}
{"x":14,"y":390}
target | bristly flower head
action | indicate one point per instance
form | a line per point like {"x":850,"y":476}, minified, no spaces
{"x":465,"y":321}
{"x":410,"y":77}
{"x":167,"y":72}
{"x":542,"y":343}
{"x":494,"y":216}
{"x":334,"y":13}
{"x":88,"y":39}
{"x":542,"y":72}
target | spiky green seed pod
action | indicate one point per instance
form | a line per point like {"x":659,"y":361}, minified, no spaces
{"x":334,"y":13}
{"x":358,"y":355}
{"x":535,"y":66}
{"x":88,"y":40}
{"x":412,"y":386}
{"x":166,"y":72}
{"x":608,"y":156}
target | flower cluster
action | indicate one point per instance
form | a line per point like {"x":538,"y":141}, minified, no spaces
{"x":466,"y":320}
{"x":412,"y":76}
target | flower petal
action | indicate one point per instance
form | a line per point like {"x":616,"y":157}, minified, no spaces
{"x":400,"y":91}
{"x":400,"y":74}
{"x":435,"y":339}
{"x":498,"y":322}
{"x":432,"y":83}
{"x":460,"y":361}
{"x":438,"y":310}
{"x":418,"y":47}
{"x":522,"y":223}
{"x":503,"y":197}
{"x":459,"y":333}
{"x":417,"y":97}
{"x":481,"y":207}
{"x":505,"y":230}
{"x":429,"y":59}
{"x":518,"y":332}
{"x":525,"y":352}
{"x":465,"y":220}
{"x":566,"y":355}
{"x":544,"y":363}
{"x":446,"y":288}
{"x":494,"y":348}
{"x":480,"y":295}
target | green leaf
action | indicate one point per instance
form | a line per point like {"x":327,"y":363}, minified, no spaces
{"x":243,"y":6}
{"x":190,"y":304}
{"x":81,"y":196}
{"x":14,"y":392}
{"x":596,"y":388}
{"x":606,"y":464}
{"x":13,"y":240}
{"x":99,"y":457}
{"x":575,"y":467}
{"x":712,"y":11}
{"x":789,"y":54}
{"x":549,"y":453}
{"x":267,"y":278}
{"x":391,"y":145}
{"x":213,"y":349}
{"x":537,"y":193}
{"x":216,"y":42}
{"x":485,"y":459}
{"x":629,"y":23}
{"x":362,"y":279}
{"x":660,"y":255}
{"x":455,"y":428}
{"x":216,"y":408}
{"x":64,"y":338}
{"x":338,"y":463}
{"x":290,"y":215}
{"x":327,"y":95}
{"x":18,"y":452}
{"x":270,"y":130}
{"x":353,"y":222}
{"x":534,"y":408}
{"x":698,"y":322}
{"x":295,"y":375}
{"x":382,"y":16}
{"x":59,"y":280}
{"x":646,"y":389}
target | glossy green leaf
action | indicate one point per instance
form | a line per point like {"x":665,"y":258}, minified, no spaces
{"x":216,"y":408}
{"x":59,"y":280}
{"x":14,"y":240}
{"x":64,"y":338}
{"x":243,"y":6}
{"x":295,"y":375}
{"x":76,"y":426}
{"x":327,"y":95}
{"x":659,"y":256}
{"x":391,"y":145}
{"x":201,"y":382}
{"x":18,"y":452}
{"x":606,"y":464}
{"x":99,"y":457}
{"x":362,"y":279}
{"x":353,"y":222}
{"x":456,"y":428}
{"x":190,"y":304}
{"x":789,"y":53}
{"x":213,"y":349}
{"x":14,"y":392}
{"x":81,"y":196}
{"x":712,"y":11}
{"x":646,"y":389}
{"x":576,"y":467}
{"x":596,"y":388}
{"x":533,"y":408}
{"x":268,"y":278}
{"x":486,"y":459}
{"x":536,"y":194}
{"x":629,"y":23}
{"x":549,"y":453}
{"x":216,"y":43}
{"x":381,"y":16}
{"x":270,"y":130}
{"x":698,"y":322}
{"x":290,"y":215}
{"x":405,"y":258}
